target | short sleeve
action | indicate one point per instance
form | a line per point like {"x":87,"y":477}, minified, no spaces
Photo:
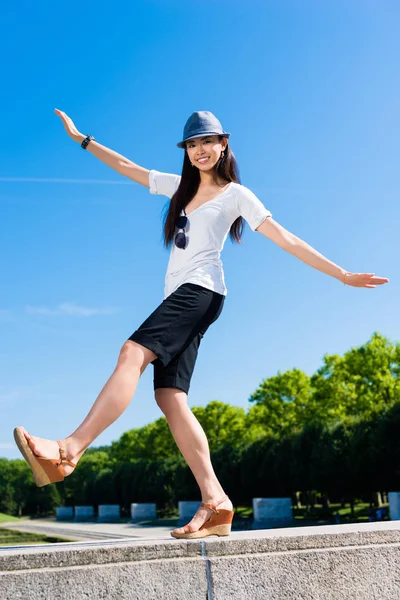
{"x":165,"y":184}
{"x":250,"y":207}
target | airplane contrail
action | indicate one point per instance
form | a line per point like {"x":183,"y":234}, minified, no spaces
{"x":57,"y":180}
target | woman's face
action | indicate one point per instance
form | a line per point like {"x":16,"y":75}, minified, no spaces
{"x":205,"y":152}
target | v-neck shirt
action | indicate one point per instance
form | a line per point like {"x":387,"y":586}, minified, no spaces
{"x":207,"y":229}
{"x":212,"y":200}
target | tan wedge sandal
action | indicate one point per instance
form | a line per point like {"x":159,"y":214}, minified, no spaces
{"x":219,"y":523}
{"x":44,"y":470}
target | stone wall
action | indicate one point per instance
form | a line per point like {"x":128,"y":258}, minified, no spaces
{"x":346,"y":562}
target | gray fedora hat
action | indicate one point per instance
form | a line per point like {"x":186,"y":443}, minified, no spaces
{"x":199,"y":124}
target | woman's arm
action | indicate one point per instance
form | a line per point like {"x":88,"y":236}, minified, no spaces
{"x":304,"y":252}
{"x":114,"y":160}
{"x":119,"y":163}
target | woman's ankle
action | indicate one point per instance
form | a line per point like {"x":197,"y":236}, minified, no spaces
{"x":210,"y":497}
{"x":74,"y":448}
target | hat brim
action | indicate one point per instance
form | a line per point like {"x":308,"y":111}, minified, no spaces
{"x":182,"y":144}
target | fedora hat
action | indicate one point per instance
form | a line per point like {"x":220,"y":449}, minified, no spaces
{"x":200,"y":124}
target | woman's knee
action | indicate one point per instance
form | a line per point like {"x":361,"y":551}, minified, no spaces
{"x":134,"y":354}
{"x":169,"y":399}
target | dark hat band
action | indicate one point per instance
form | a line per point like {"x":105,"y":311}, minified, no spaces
{"x":182,"y":144}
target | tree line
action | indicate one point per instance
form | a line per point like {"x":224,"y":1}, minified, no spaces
{"x":334,"y":434}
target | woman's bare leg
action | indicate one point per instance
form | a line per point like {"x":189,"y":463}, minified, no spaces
{"x":193,"y":444}
{"x":113,"y":399}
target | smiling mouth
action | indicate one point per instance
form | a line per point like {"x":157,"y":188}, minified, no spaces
{"x":203,"y":160}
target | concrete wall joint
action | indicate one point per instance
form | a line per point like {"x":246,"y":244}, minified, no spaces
{"x":208,"y":570}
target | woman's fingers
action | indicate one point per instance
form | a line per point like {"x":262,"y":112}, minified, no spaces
{"x":60,"y":113}
{"x":380,"y":280}
{"x":368,"y":280}
{"x":68,"y":123}
{"x":63,"y":115}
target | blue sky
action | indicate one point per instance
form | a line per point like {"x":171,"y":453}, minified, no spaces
{"x":310,"y":93}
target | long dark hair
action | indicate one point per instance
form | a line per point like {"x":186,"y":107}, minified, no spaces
{"x":226,"y":168}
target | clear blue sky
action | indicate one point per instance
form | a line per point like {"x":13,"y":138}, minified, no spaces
{"x":310,"y":92}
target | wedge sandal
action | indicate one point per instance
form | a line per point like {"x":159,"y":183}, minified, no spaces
{"x":220,"y":523}
{"x":44,"y":470}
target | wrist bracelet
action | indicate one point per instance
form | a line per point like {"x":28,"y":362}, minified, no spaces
{"x":85,"y":142}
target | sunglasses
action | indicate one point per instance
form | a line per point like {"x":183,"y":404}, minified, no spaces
{"x":181,"y":239}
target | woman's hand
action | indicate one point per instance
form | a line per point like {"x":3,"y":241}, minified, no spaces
{"x":367,"y":280}
{"x":70,"y":126}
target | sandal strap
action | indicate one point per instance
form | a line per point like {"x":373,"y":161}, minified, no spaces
{"x":63,"y":455}
{"x":213,"y":507}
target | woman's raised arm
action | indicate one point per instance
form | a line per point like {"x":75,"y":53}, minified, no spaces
{"x":116,"y":161}
{"x":310,"y":256}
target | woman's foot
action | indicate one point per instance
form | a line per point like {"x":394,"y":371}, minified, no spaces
{"x":203,"y":514}
{"x":45,"y":448}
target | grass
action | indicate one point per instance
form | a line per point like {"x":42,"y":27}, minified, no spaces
{"x":11,"y":537}
{"x":319,"y":515}
{"x":313,"y":515}
{"x":7,"y":518}
{"x":360,"y":514}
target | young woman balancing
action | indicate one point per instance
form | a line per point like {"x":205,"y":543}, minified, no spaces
{"x":207,"y":202}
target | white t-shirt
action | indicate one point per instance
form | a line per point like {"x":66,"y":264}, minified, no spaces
{"x":207,"y":229}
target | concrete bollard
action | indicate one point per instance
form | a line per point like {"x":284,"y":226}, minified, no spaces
{"x":109,"y":513}
{"x":187,"y":508}
{"x":64,"y":513}
{"x":269,"y":513}
{"x":84,"y":513}
{"x":143,"y":511}
{"x":394,"y":505}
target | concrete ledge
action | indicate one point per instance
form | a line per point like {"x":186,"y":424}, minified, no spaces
{"x":350,"y":562}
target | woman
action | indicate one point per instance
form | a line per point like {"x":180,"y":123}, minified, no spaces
{"x":207,"y":203}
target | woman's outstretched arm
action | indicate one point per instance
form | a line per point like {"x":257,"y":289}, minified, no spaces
{"x":304,"y":252}
{"x":116,"y":161}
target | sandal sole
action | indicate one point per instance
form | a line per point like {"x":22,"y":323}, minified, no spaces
{"x":39,"y":474}
{"x":219,"y":530}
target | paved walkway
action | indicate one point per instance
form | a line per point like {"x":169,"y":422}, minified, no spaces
{"x":91,"y":531}
{"x":85,"y":531}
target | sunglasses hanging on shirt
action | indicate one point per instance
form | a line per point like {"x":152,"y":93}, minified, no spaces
{"x":181,"y":239}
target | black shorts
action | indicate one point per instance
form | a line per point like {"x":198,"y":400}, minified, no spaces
{"x":174,"y":332}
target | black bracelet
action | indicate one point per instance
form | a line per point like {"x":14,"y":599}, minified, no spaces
{"x":85,"y":142}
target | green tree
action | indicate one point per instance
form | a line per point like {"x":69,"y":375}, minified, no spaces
{"x":75,"y":489}
{"x":363,"y":382}
{"x":7,"y":502}
{"x":360,"y":384}
{"x":224,"y":425}
{"x":151,"y":442}
{"x":22,"y":483}
{"x":282,"y":403}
